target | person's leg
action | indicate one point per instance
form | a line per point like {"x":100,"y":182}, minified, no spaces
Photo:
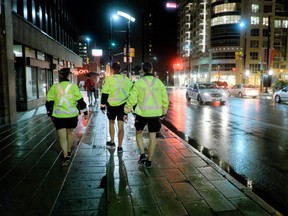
{"x":120,"y":132}
{"x":140,"y":141}
{"x":152,"y":145}
{"x":112,"y":130}
{"x":89,"y":97}
{"x":69,"y":139}
{"x":62,"y":134}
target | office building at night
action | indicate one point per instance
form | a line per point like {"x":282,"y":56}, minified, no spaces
{"x":38,"y":38}
{"x":229,"y":41}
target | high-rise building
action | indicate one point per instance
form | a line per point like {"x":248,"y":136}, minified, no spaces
{"x":37,"y":39}
{"x":229,"y":40}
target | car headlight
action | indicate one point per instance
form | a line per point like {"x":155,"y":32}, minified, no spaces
{"x":206,"y":94}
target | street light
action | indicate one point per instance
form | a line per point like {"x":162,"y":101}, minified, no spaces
{"x":127,"y":54}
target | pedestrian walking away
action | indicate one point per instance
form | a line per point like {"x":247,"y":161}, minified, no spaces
{"x":150,"y":101}
{"x":98,"y":84}
{"x":63,"y":104}
{"x":114,"y":94}
{"x":89,"y":86}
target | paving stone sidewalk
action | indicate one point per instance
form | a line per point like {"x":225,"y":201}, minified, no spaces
{"x":180,"y":182}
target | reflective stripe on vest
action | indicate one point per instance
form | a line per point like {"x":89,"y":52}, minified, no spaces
{"x":120,"y":87}
{"x":64,"y":99}
{"x":149,"y":94}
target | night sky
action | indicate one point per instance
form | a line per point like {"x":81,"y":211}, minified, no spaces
{"x":92,"y":17}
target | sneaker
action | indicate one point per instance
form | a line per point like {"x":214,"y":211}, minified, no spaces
{"x":119,"y":150}
{"x":109,"y":144}
{"x":148,"y":164}
{"x":69,"y":155}
{"x":142,"y":159}
{"x":65,"y":162}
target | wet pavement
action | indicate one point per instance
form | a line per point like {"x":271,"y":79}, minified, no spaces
{"x":101,"y":182}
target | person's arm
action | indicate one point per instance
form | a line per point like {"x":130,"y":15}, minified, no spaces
{"x":165,"y":101}
{"x":104,"y":96}
{"x":50,"y":101}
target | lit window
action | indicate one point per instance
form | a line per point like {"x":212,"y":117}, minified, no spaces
{"x":285,"y":24}
{"x":265,"y":21}
{"x":225,"y":20}
{"x":255,"y":20}
{"x":255,"y":8}
{"x":277,"y":23}
{"x":225,"y":8}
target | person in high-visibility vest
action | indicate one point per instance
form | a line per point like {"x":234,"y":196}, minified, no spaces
{"x":64,"y":103}
{"x":114,"y":94}
{"x":149,"y":100}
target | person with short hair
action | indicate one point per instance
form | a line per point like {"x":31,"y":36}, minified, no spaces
{"x":150,"y":97}
{"x":114,"y":94}
{"x":63,"y":103}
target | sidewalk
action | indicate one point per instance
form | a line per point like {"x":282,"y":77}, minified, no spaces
{"x":100,"y":182}
{"x":181,"y":181}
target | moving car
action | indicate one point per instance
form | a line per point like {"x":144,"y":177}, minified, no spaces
{"x":243,"y":90}
{"x":221,"y":84}
{"x":281,"y":95}
{"x":205,"y":92}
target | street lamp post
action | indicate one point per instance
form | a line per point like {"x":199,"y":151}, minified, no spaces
{"x":243,"y":25}
{"x":167,"y":78}
{"x":87,"y":51}
{"x":127,"y":53}
{"x":111,"y":40}
{"x":268,"y":54}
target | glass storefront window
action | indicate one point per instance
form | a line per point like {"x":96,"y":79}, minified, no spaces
{"x":31,"y":83}
{"x":41,"y":55}
{"x":42,"y":82}
{"x":30,"y":52}
{"x":17,"y":50}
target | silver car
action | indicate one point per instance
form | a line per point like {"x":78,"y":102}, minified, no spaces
{"x":206,"y":92}
{"x":243,"y":90}
{"x":281,"y":95}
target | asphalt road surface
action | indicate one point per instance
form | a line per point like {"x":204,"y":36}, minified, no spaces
{"x":246,"y":137}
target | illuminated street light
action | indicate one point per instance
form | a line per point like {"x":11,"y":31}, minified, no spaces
{"x":127,"y":54}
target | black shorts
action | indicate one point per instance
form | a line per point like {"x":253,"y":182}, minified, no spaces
{"x":60,"y":123}
{"x":154,"y":123}
{"x":115,"y":111}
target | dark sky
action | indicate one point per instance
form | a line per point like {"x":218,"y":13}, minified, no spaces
{"x":93,"y":18}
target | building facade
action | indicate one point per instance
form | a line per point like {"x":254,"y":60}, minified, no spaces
{"x":38,"y":38}
{"x":229,"y":41}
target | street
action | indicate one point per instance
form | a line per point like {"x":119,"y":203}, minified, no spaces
{"x":246,"y":137}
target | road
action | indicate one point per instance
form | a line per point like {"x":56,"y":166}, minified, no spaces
{"x":247,"y":137}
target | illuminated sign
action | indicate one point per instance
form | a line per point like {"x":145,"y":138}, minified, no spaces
{"x":97,"y":52}
{"x":81,"y":71}
{"x":171,"y":5}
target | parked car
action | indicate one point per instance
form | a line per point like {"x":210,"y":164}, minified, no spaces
{"x":221,"y":84}
{"x":281,"y":95}
{"x":205,"y":92}
{"x":243,"y":90}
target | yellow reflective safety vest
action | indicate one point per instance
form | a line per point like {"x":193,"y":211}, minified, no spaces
{"x":150,"y":96}
{"x":65,"y":96}
{"x":117,"y":87}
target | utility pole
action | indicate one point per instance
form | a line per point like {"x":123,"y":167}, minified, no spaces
{"x":268,"y":54}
